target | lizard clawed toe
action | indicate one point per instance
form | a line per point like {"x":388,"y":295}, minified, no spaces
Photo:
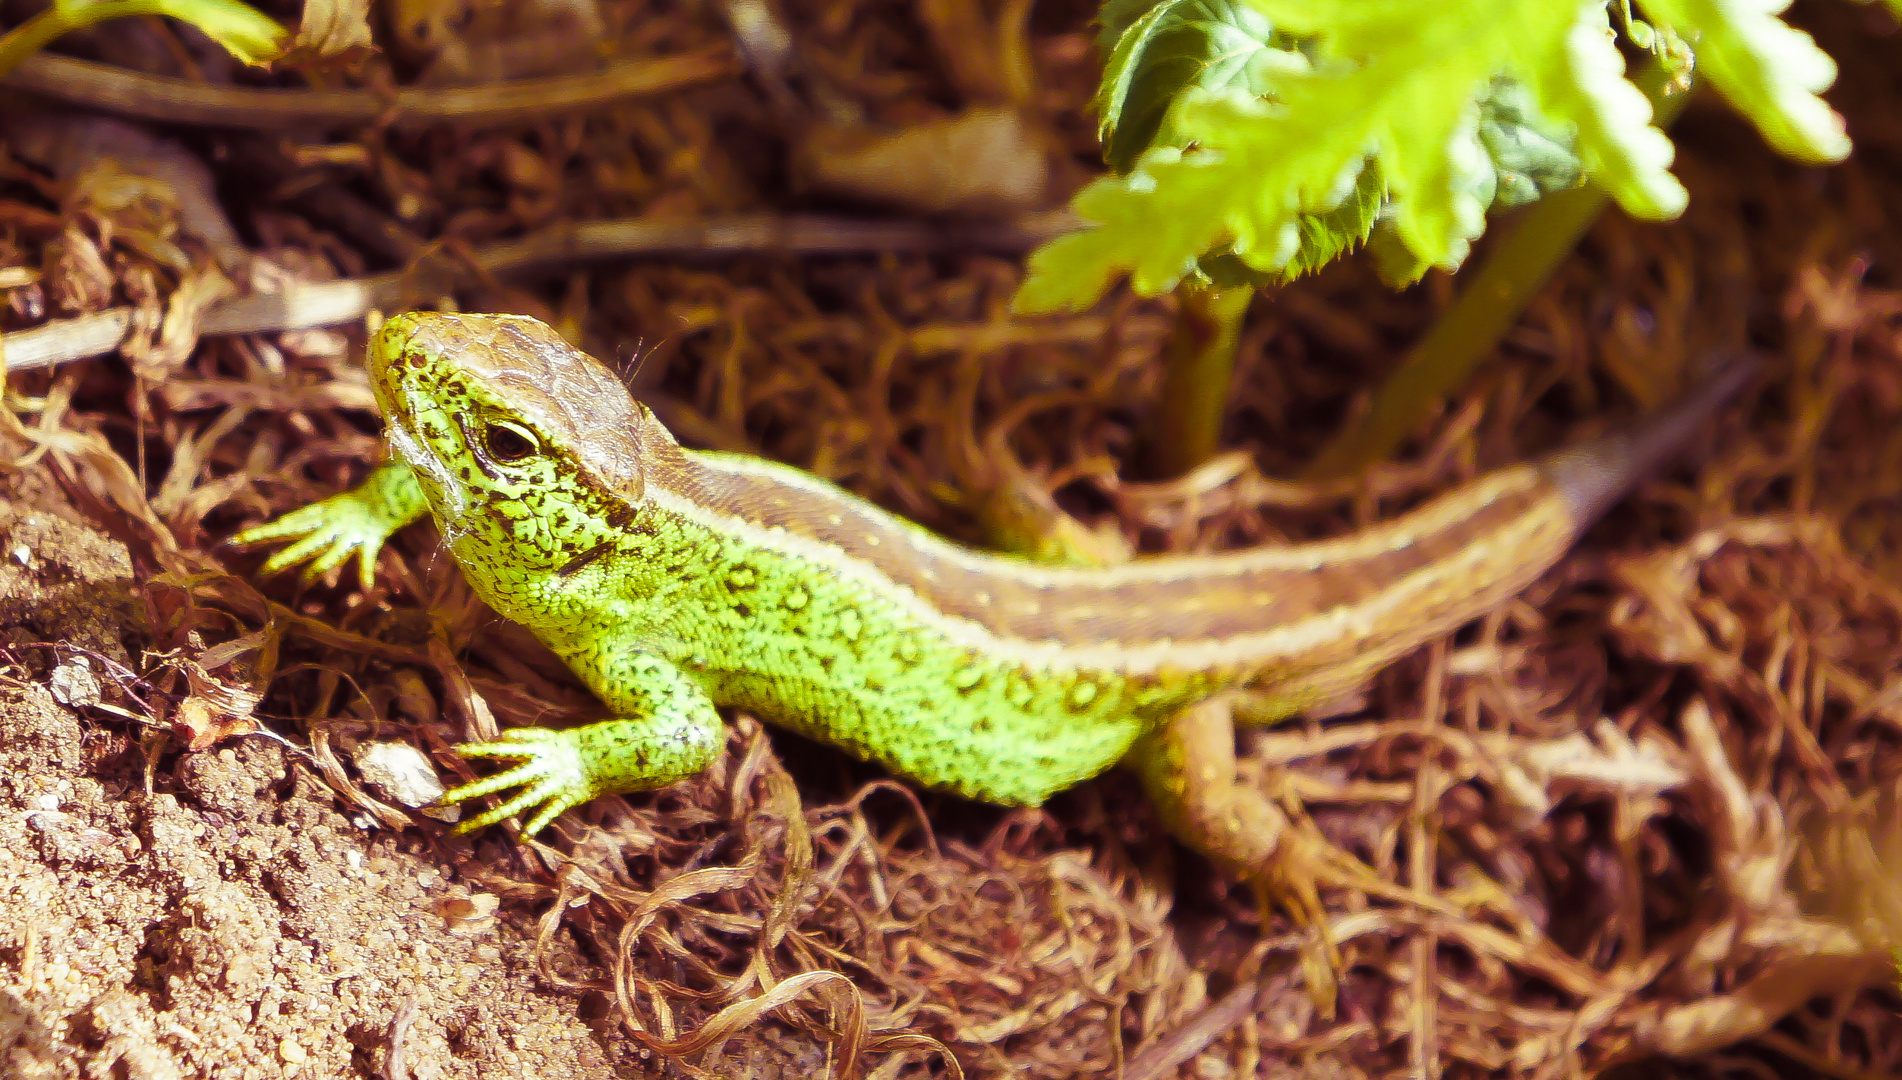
{"x":355,"y":524}
{"x":552,"y":773}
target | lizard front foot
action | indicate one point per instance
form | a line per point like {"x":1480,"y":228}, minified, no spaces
{"x":328,"y":533}
{"x":679,"y":736}
{"x":553,"y":775}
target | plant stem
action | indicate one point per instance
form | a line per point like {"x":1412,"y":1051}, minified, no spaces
{"x":245,"y":32}
{"x":30,"y":37}
{"x":1466,"y":333}
{"x":1489,"y":306}
{"x":1200,"y":361}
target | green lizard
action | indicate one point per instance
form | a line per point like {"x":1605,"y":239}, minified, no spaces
{"x":674,"y":581}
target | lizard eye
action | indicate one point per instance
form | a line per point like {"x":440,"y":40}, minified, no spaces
{"x":506,"y":442}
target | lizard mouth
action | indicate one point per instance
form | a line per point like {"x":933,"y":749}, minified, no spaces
{"x":449,"y":496}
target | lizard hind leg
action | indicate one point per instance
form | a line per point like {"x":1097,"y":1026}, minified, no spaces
{"x":1188,"y":770}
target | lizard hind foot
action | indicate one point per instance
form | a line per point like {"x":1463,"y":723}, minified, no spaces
{"x":553,"y":775}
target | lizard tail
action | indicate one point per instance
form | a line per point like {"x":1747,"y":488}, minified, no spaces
{"x":1595,"y":475}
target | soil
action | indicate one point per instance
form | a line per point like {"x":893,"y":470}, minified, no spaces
{"x":224,"y":918}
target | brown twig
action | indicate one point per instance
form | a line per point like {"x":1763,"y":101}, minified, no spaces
{"x":333,"y":303}
{"x":181,"y":101}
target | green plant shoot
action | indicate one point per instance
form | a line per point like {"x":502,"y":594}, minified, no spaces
{"x":242,"y":30}
{"x":1249,"y":135}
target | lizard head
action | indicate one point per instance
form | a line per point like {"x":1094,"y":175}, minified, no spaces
{"x":528,"y":450}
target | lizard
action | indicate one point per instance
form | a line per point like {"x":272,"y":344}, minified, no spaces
{"x":674,"y":581}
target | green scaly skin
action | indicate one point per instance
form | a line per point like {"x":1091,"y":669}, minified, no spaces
{"x":673,"y":582}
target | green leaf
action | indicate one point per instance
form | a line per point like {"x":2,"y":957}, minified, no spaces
{"x":1163,"y":48}
{"x":1216,"y":45}
{"x":1768,"y":69}
{"x":1582,"y":81}
{"x":1531,"y":157}
{"x":1322,"y":238}
{"x":1393,"y":261}
{"x":245,"y":32}
{"x":1245,"y":162}
{"x":1118,"y":16}
{"x":1132,"y":229}
{"x":1256,"y":167}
